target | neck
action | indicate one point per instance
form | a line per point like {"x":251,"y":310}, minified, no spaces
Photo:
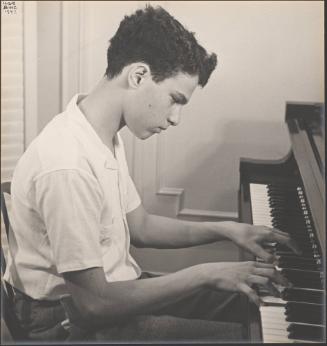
{"x":102,"y":107}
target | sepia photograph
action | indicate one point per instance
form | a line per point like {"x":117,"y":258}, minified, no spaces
{"x":162,"y":172}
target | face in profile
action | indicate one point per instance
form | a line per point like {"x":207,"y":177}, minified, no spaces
{"x":153,"y":107}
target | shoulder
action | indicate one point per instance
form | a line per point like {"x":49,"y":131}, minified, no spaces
{"x":59,"y":147}
{"x":55,"y":148}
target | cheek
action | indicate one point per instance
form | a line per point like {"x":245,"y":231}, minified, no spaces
{"x":157,"y":107}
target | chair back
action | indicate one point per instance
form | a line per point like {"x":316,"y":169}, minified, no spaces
{"x":7,"y":292}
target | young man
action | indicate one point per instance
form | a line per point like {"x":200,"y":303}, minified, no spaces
{"x":76,"y":210}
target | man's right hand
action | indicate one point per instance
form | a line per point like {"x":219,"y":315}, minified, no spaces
{"x":241,"y":276}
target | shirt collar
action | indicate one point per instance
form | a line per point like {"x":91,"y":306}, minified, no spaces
{"x":84,"y":128}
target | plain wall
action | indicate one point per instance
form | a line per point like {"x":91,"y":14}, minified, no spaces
{"x":48,"y":61}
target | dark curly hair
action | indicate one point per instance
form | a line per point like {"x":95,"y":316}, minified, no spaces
{"x":153,"y":36}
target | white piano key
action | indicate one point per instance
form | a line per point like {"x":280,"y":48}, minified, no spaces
{"x":260,"y":205}
{"x":273,"y":300}
{"x":274,"y":326}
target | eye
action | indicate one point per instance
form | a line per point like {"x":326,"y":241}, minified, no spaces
{"x":173,"y":100}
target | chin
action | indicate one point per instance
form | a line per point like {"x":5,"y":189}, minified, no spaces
{"x":143,"y":135}
{"x":146,"y":136}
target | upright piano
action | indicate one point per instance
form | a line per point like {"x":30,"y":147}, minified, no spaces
{"x":289,"y":194}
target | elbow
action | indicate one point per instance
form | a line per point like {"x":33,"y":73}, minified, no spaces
{"x":83,"y":313}
{"x":93,"y":312}
{"x":98,"y":314}
{"x":137,"y":241}
{"x":140,"y":237}
{"x":89,"y":312}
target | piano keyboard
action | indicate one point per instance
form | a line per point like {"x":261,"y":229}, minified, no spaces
{"x":298,"y":316}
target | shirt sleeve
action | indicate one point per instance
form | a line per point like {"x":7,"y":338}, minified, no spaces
{"x":70,"y":202}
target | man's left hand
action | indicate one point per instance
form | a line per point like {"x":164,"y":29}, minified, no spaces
{"x":252,"y":238}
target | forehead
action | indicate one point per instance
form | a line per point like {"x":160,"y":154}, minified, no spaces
{"x":181,"y":82}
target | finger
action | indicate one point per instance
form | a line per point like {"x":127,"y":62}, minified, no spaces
{"x":273,"y":263}
{"x":257,"y":280}
{"x":263,"y":254}
{"x":244,"y":288}
{"x":264,"y":265}
{"x":278,"y":231}
{"x":273,"y":275}
{"x":285,"y":239}
{"x":294,"y":246}
{"x":273,"y":290}
{"x":264,"y":282}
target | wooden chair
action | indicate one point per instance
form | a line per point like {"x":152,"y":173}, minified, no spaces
{"x":7,"y":293}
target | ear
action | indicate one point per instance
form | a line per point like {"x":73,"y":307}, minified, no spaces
{"x":138,"y":74}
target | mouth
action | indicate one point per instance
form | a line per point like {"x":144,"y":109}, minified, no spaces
{"x":159,"y":129}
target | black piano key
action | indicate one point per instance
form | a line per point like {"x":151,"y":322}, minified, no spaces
{"x":290,"y":203}
{"x":295,"y":259}
{"x":301,"y":236}
{"x":286,"y":203}
{"x":304,"y":317}
{"x":290,"y":253}
{"x":303,"y":245}
{"x":303,"y":278}
{"x":303,"y":295}
{"x":281,"y":189}
{"x":294,"y":225}
{"x":278,"y":194}
{"x":273,"y":192}
{"x":280,"y":200}
{"x":280,"y":211}
{"x":303,"y":283}
{"x":308,"y":274}
{"x":304,"y":312}
{"x":305,"y":255}
{"x":290,"y":227}
{"x":306,"y":332}
{"x":308,"y":253}
{"x":297,"y":265}
{"x":284,"y":206}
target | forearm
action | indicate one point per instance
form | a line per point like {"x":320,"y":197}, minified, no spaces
{"x":104,"y":303}
{"x":99,"y":303}
{"x":163,"y":232}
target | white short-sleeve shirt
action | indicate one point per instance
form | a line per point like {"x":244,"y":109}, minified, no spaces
{"x":70,"y":197}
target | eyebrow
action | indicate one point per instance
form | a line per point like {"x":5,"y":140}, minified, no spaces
{"x":179,"y":98}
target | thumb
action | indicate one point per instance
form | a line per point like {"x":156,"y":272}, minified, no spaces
{"x":251,"y":293}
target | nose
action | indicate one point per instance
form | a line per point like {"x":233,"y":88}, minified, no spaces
{"x":175,"y":116}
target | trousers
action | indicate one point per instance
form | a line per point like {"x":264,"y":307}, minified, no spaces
{"x":208,"y":315}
